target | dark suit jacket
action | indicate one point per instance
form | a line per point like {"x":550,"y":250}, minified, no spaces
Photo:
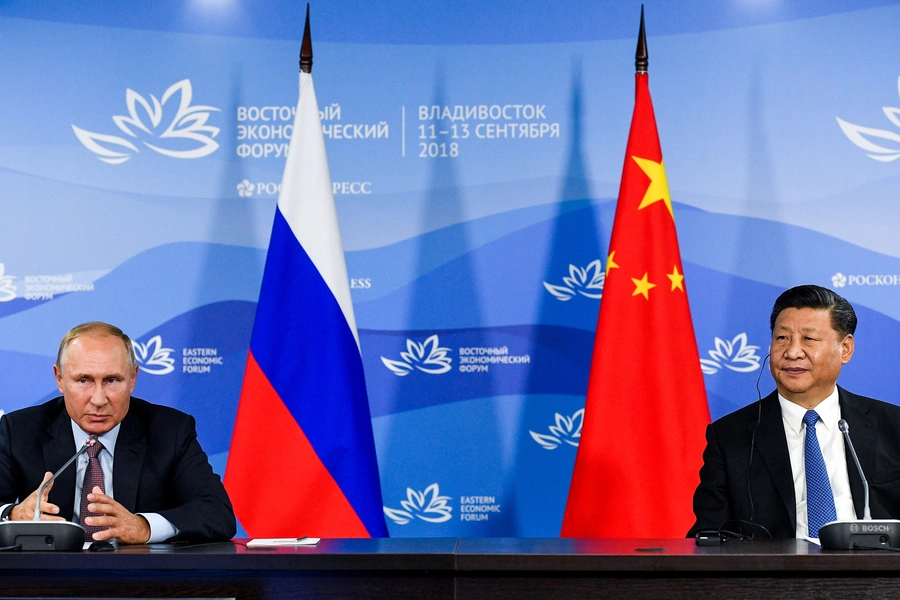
{"x":735,"y":486}
{"x":158,"y":466}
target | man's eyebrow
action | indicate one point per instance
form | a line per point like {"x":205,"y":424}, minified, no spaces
{"x":106,"y":376}
{"x":810,"y":329}
{"x":803,"y":329}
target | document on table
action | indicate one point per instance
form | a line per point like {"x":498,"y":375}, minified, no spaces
{"x":271,"y":542}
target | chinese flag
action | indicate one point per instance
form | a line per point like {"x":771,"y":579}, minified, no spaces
{"x":646,"y":412}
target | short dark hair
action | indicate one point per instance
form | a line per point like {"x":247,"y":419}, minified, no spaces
{"x":843,"y":317}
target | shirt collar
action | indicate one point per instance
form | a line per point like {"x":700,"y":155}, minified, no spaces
{"x":829,"y":411}
{"x":108,"y":439}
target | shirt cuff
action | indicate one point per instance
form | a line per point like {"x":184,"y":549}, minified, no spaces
{"x":160,"y":528}
{"x":5,"y":511}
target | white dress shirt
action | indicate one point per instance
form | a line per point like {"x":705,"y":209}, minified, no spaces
{"x":160,"y":528}
{"x":831,"y":441}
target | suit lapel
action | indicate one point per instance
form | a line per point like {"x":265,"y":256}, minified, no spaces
{"x":131,"y":447}
{"x":772,"y":447}
{"x":58,"y":447}
{"x":863,"y":426}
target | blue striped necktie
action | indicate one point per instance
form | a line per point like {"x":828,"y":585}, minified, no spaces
{"x":819,"y":497}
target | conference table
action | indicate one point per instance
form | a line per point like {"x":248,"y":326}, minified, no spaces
{"x":484,"y":568}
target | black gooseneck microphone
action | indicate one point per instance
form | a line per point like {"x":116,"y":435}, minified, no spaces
{"x":845,"y":429}
{"x":37,"y":505}
{"x":866,"y":533}
{"x":46,"y":535}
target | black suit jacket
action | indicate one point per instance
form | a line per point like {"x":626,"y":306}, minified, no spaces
{"x":737,"y":487}
{"x":158,"y":466}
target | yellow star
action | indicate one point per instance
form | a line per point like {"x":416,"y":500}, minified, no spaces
{"x":642,"y":286}
{"x":658,"y":190}
{"x":677,"y":279}
{"x":610,"y":262}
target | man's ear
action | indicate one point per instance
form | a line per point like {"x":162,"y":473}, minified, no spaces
{"x":847,"y":346}
{"x":133,"y":379}
{"x":57,"y":373}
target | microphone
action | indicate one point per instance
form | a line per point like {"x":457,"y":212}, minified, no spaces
{"x":37,"y":505}
{"x":46,"y":535}
{"x":845,"y":429}
{"x":867,"y":533}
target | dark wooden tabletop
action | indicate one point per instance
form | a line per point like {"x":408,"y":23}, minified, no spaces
{"x":389,"y":554}
{"x":471,"y":555}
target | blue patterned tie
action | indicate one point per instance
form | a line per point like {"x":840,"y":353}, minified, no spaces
{"x":819,"y":497}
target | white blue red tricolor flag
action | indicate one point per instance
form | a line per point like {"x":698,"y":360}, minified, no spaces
{"x":302,"y":459}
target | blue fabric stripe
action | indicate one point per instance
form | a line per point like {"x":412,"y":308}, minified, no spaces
{"x":304,"y":346}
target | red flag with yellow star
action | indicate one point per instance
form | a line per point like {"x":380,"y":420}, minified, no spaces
{"x":642,"y":437}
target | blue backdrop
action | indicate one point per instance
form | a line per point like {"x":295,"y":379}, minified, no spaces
{"x":476,"y":150}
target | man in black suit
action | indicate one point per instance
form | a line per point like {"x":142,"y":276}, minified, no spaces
{"x":753,"y":480}
{"x":153,"y":481}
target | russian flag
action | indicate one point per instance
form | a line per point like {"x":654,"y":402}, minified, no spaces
{"x":302,"y":459}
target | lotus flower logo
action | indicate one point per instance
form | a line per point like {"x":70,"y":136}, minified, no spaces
{"x":838,"y":280}
{"x":736,"y":355}
{"x":427,"y":505}
{"x":586,"y":282}
{"x":887,"y":146}
{"x":245,"y":189}
{"x":186,"y":135}
{"x":427,"y":357}
{"x":567,"y":430}
{"x":7,"y":289}
{"x":153,"y":358}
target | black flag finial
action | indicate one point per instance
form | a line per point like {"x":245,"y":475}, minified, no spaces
{"x":306,"y":47}
{"x":640,"y":56}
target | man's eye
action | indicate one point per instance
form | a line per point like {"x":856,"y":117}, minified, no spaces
{"x":83,"y":380}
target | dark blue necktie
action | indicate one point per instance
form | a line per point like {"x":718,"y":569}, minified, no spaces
{"x":819,"y":497}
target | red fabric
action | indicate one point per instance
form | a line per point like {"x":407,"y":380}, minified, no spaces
{"x":269,"y":499}
{"x":642,"y":437}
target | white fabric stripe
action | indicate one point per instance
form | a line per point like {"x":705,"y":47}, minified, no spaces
{"x":307,"y":202}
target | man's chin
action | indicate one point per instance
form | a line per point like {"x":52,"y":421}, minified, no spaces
{"x":806,"y":396}
{"x":794,"y":385}
{"x":97,"y":427}
{"x":792,"y":390}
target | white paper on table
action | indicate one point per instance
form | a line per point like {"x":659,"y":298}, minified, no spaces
{"x":271,"y":542}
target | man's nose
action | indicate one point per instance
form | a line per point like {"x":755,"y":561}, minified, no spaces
{"x":794,"y":349}
{"x":98,"y":398}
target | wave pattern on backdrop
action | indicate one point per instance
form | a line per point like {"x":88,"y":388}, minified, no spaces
{"x":476,"y":238}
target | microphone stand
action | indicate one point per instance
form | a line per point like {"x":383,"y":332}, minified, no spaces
{"x":865,"y":533}
{"x":38,"y":535}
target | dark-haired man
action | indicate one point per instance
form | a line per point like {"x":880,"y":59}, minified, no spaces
{"x":778,"y":467}
{"x":146,"y":479}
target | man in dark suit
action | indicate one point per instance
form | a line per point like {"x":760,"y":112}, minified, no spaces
{"x":149,"y":481}
{"x":754,"y":477}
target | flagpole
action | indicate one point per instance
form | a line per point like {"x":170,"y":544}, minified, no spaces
{"x":306,"y":54}
{"x":641,"y":59}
